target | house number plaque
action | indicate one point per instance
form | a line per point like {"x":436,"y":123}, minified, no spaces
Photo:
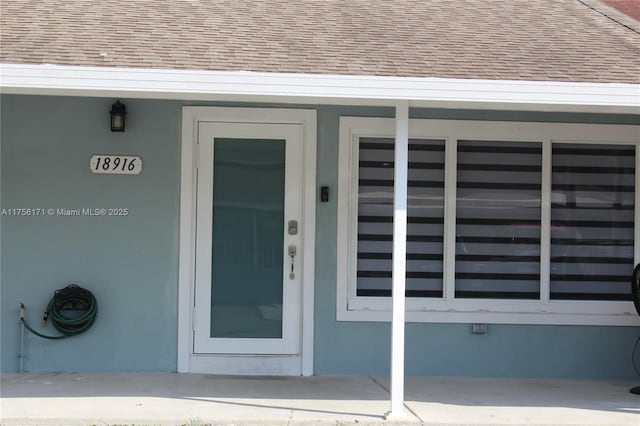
{"x":116,"y":164}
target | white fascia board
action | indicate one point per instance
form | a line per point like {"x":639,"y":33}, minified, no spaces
{"x":317,"y":88}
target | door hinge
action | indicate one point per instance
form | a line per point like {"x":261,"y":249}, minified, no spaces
{"x":193,"y":319}
{"x":197,"y":155}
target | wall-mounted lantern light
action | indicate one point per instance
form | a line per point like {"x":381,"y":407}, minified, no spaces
{"x":118,"y":111}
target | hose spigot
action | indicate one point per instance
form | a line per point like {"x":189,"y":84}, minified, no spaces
{"x":21,"y":311}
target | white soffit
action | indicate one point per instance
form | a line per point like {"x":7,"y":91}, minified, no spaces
{"x":318,"y":88}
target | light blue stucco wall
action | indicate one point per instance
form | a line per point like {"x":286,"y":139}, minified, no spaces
{"x":451,"y":349}
{"x":130,"y":263}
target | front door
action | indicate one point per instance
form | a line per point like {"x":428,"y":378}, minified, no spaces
{"x":248,"y":239}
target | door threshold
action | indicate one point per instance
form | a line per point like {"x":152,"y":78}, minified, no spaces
{"x":246,"y":365}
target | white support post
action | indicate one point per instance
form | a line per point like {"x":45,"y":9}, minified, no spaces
{"x":399,"y":260}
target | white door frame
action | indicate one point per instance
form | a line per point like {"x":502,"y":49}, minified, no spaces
{"x":188,"y":362}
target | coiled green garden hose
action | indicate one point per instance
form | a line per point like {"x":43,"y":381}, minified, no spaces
{"x":74,"y":299}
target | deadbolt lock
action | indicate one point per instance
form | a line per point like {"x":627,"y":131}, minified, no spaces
{"x":293,"y":227}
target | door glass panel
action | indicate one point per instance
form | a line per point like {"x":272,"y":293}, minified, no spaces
{"x":248,"y":238}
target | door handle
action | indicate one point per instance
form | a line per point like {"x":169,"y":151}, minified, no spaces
{"x":292,"y":254}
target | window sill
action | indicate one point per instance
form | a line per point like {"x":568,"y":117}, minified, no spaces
{"x":512,"y":312}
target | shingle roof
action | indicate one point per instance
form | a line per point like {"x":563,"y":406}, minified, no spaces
{"x":546,"y":40}
{"x":628,"y":7}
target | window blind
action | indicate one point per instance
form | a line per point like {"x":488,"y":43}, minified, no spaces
{"x":498,"y":219}
{"x":424,"y":222}
{"x":592,"y":221}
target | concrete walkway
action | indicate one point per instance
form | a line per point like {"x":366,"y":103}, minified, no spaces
{"x":195,"y":399}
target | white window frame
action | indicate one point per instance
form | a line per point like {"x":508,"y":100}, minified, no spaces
{"x":350,"y":307}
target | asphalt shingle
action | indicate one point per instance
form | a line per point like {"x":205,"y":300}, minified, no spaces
{"x":545,"y":40}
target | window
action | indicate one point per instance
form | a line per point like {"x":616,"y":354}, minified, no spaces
{"x":424,"y":224}
{"x":507,"y":222}
{"x":498,"y":219}
{"x":592,"y":221}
